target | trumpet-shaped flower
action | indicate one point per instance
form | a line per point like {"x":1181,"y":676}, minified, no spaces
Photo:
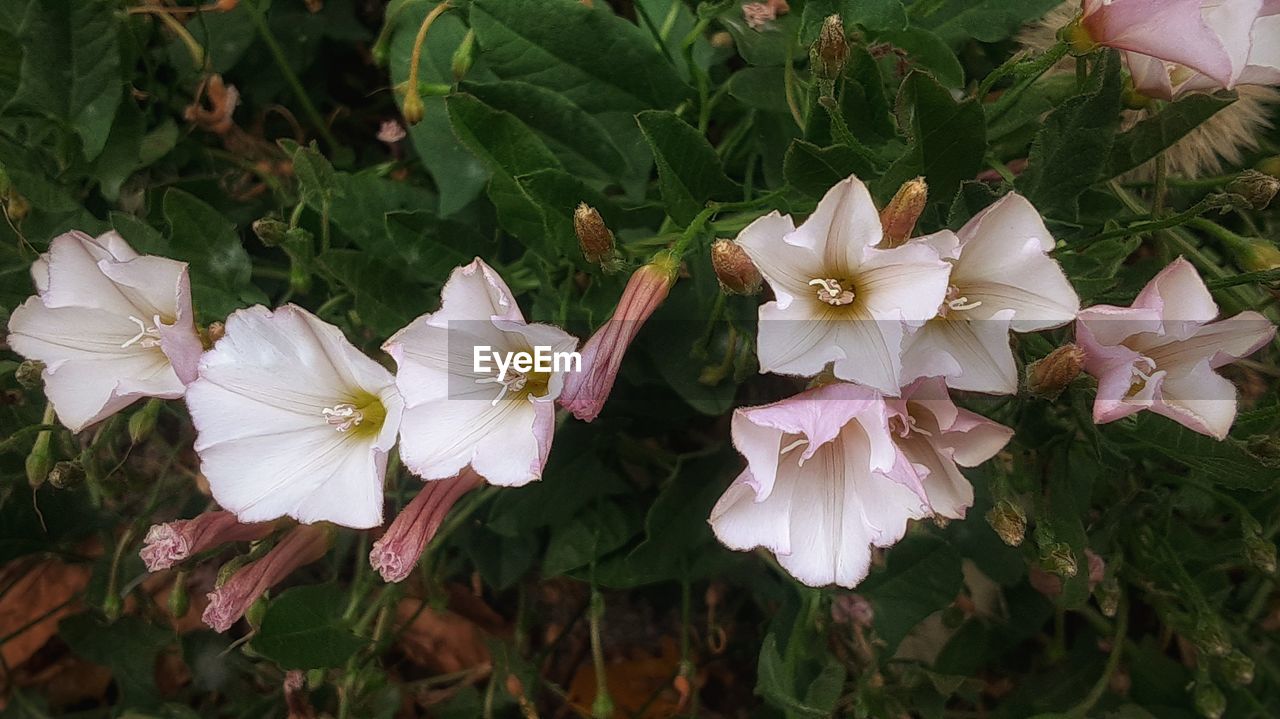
{"x":1177,"y":46}
{"x":110,"y":325}
{"x":301,"y":546}
{"x":1161,"y":352}
{"x":817,"y":490}
{"x":396,"y":553}
{"x":937,"y":438}
{"x":292,"y":420}
{"x":585,"y":392}
{"x":1002,"y":278}
{"x":174,"y":542}
{"x":839,"y":298}
{"x":466,"y":400}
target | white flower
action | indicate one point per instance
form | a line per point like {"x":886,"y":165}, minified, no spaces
{"x":292,"y":420}
{"x":501,"y":424}
{"x":110,"y":325}
{"x":1002,"y":278}
{"x":839,"y":298}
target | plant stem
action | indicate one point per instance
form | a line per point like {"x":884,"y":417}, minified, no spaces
{"x":1113,"y":661}
{"x":269,"y":39}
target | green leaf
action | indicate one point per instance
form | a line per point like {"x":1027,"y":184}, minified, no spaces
{"x":598,"y":61}
{"x":303,"y":629}
{"x":767,"y":46}
{"x":926,"y":50}
{"x":957,"y":21}
{"x":317,"y":181}
{"x":1070,"y":152}
{"x":567,"y":129}
{"x":813,"y":170}
{"x":922,"y":576}
{"x":1153,"y":135}
{"x":387,"y":298}
{"x":71,"y":66}
{"x":873,"y":15}
{"x":588,"y":536}
{"x":1225,"y":463}
{"x":432,"y":247}
{"x":129,"y":647}
{"x":689,"y":171}
{"x":209,"y":244}
{"x":123,"y":151}
{"x":948,"y":139}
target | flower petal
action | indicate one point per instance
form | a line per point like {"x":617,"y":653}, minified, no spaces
{"x":1172,"y":30}
{"x":844,"y":224}
{"x":971,"y":355}
{"x":1200,"y":400}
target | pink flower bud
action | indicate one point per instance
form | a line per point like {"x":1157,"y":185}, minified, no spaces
{"x":585,"y":392}
{"x":173,"y":542}
{"x":396,"y":554}
{"x":303,"y":545}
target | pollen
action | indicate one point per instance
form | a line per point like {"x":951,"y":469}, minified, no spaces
{"x":831,"y":292}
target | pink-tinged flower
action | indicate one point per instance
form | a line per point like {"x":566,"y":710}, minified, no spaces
{"x":396,"y":553}
{"x":303,"y":545}
{"x":817,"y":490}
{"x":1160,"y":353}
{"x":585,"y":392}
{"x":839,"y":298}
{"x":1177,"y":46}
{"x":1002,"y":278}
{"x":468,"y":399}
{"x":292,"y":420}
{"x":937,"y":438}
{"x":110,"y":325}
{"x":390,"y":132}
{"x":174,"y":542}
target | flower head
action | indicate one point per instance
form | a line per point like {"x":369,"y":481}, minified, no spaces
{"x":585,"y":392}
{"x":461,"y":407}
{"x":171,"y":543}
{"x":937,"y":438}
{"x":1160,"y":353}
{"x":110,"y":325}
{"x":1002,"y":278}
{"x":396,"y":553}
{"x":840,"y":298}
{"x":303,"y":545}
{"x":292,"y":420}
{"x":817,"y":489}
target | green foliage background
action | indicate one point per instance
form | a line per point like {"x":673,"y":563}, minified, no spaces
{"x":674,"y":119}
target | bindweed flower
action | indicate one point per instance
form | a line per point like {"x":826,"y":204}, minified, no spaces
{"x":1002,"y":279}
{"x":498,"y":419}
{"x":292,"y":420}
{"x":840,"y":298}
{"x":585,"y":392}
{"x":1178,"y":46}
{"x":110,"y":325}
{"x":816,"y":491}
{"x":396,"y":553}
{"x":174,"y":542}
{"x":937,"y":438}
{"x":1161,"y":352}
{"x":303,"y":545}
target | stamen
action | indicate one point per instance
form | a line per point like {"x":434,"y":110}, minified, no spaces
{"x":514,"y":382}
{"x":912,"y":426}
{"x":832,"y":293}
{"x":798,"y":443}
{"x":962,"y":303}
{"x":343,"y":417}
{"x":147,"y":337}
{"x":1141,"y":376}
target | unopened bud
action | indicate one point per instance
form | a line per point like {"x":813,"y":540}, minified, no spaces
{"x":594,"y":237}
{"x":215,"y":332}
{"x":1261,"y":553}
{"x":179,"y":599}
{"x":1210,"y":702}
{"x":66,"y":474}
{"x":256,"y":611}
{"x":853,"y":610}
{"x":1049,"y":376}
{"x":899,"y":217}
{"x":1057,"y":557}
{"x":464,"y":55}
{"x":1008,"y":521}
{"x":1257,"y":188}
{"x":413,"y":110}
{"x":1264,"y":448}
{"x":143,"y":421}
{"x":112,"y":606}
{"x":30,"y":374}
{"x":1108,"y":595}
{"x":831,"y":50}
{"x":40,"y":459}
{"x":270,"y":230}
{"x":17,"y":207}
{"x":1238,"y":668}
{"x":735,"y":270}
{"x":1209,"y":637}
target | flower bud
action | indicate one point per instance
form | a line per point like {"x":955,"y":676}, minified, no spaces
{"x":1209,"y":637}
{"x":1049,"y":376}
{"x":215,"y":332}
{"x":143,"y":421}
{"x":1238,"y":668}
{"x":413,"y":110}
{"x":66,"y":474}
{"x":831,"y":50}
{"x":735,"y":270}
{"x":1264,"y":448}
{"x":179,"y":599}
{"x":464,"y":55}
{"x":853,"y":610}
{"x":594,"y":237}
{"x":1057,"y":557}
{"x":303,"y":545}
{"x":112,"y":606}
{"x":1008,"y":521}
{"x":1261,"y":553}
{"x":17,"y":207}
{"x":171,"y":543}
{"x":40,"y":459}
{"x":899,"y":217}
{"x":396,"y":553}
{"x":270,"y":231}
{"x":1210,"y":702}
{"x":30,"y":374}
{"x":1257,"y":188}
{"x":1108,"y":595}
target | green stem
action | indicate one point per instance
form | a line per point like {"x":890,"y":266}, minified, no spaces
{"x":1113,"y":662}
{"x":269,"y":39}
{"x":602,"y":707}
